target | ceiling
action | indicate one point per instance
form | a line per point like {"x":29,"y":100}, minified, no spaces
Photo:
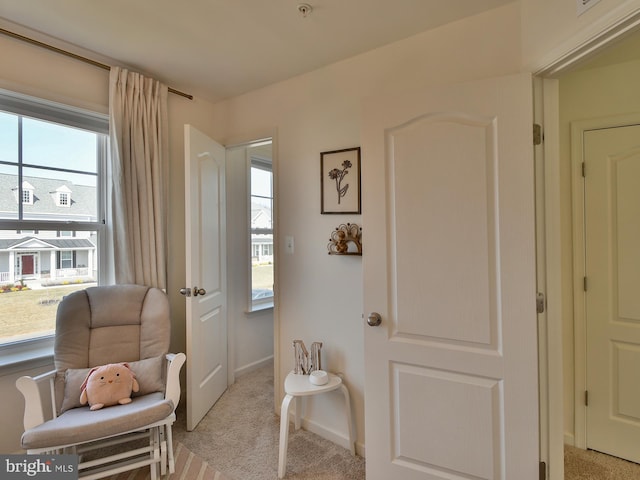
{"x":217,"y":49}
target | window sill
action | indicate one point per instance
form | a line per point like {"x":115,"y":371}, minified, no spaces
{"x":256,"y":309}
{"x":22,"y":355}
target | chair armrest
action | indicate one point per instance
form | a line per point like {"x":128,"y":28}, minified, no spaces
{"x":174,"y":364}
{"x":33,"y":402}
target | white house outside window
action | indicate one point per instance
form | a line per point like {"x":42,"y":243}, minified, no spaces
{"x":52,"y":158}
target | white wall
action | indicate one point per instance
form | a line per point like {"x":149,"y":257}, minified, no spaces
{"x":552,"y":28}
{"x":320,"y":296}
{"x":13,"y":403}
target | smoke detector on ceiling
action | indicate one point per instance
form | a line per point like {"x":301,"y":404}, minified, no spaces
{"x":305,"y":9}
{"x":584,"y":5}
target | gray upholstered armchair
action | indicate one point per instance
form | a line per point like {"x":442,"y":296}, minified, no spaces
{"x":97,"y":326}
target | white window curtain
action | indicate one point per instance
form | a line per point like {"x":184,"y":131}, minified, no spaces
{"x":139,"y":158}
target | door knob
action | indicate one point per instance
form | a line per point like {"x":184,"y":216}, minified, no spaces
{"x":196,"y":291}
{"x":374,"y":319}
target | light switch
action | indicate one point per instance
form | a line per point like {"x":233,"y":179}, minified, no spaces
{"x":288,"y":244}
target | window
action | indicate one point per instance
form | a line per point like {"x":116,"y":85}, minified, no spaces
{"x":48,"y":152}
{"x":261,"y":224}
{"x":63,"y":198}
{"x":27,"y":193}
{"x":66,"y":259}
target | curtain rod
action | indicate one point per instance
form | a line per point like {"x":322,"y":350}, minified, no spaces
{"x":77,"y":57}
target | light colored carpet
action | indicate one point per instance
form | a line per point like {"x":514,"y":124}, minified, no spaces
{"x":189,"y":466}
{"x":591,"y":465}
{"x":240,"y":436}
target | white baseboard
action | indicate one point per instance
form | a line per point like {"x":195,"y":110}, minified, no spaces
{"x":331,"y":435}
{"x":569,"y":439}
{"x":253,"y":366}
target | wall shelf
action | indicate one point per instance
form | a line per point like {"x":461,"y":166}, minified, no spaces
{"x":346,"y":239}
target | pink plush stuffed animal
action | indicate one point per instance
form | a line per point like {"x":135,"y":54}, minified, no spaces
{"x":108,"y":385}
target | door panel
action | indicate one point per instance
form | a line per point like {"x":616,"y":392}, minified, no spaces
{"x":206,"y":320}
{"x":612,"y":246}
{"x":426,"y":397}
{"x":451,"y":374}
{"x":458,"y":169}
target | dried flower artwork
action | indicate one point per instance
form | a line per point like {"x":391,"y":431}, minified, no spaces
{"x":338,"y":175}
{"x":340,"y":181}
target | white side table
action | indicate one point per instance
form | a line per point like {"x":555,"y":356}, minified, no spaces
{"x":295,"y":387}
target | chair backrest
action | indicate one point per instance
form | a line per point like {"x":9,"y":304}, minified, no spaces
{"x":109,"y":324}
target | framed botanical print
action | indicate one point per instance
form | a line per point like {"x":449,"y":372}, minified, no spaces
{"x":340,"y":181}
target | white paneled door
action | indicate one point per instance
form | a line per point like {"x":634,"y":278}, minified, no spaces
{"x":205,"y":290}
{"x":451,"y":381}
{"x":612,"y":242}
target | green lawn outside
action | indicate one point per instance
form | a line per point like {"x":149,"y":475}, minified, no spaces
{"x":31,"y":312}
{"x":262,"y":276}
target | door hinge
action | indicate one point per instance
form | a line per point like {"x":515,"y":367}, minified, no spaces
{"x":543,"y":471}
{"x":586,"y":398}
{"x":540,"y":302}
{"x":584,"y":168}
{"x":537,"y":134}
{"x":584,"y":283}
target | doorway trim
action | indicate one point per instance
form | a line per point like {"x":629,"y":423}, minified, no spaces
{"x":229,"y":144}
{"x":576,"y":49}
{"x":548,"y":253}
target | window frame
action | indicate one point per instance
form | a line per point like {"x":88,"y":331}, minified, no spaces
{"x":74,"y":117}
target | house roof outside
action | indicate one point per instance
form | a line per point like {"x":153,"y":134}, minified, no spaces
{"x":83,"y":205}
{"x":260,"y":216}
{"x":33,"y":243}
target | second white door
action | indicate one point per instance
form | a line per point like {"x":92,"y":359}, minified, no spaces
{"x":612,"y":298}
{"x":206,"y":273}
